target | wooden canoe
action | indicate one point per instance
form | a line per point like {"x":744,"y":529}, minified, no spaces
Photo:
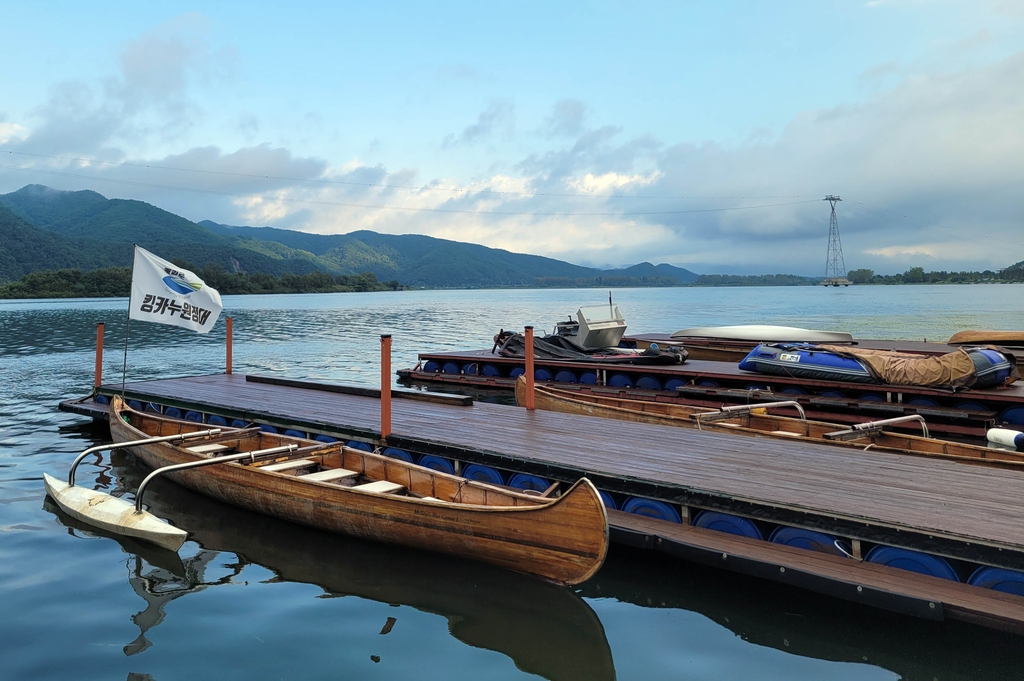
{"x":563,"y":539}
{"x":759,"y":424}
{"x":1005,"y":338}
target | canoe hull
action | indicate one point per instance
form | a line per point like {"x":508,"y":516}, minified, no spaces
{"x":113,"y":514}
{"x":550,"y":398}
{"x":564,"y":540}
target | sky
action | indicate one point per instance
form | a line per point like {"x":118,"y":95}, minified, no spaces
{"x":700,"y":134}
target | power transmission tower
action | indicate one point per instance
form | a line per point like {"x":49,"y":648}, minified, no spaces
{"x":835,"y":266}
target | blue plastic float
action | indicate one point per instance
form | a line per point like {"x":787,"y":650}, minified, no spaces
{"x":327,"y":439}
{"x":490,"y":370}
{"x":396,"y":453}
{"x":648,"y":383}
{"x":431,"y":366}
{"x":620,"y":381}
{"x":541,"y":375}
{"x":172,"y":412}
{"x":998,"y":579}
{"x":215,"y":420}
{"x":469,"y":369}
{"x":361,"y":446}
{"x":652,"y":508}
{"x":291,"y":432}
{"x":437,"y":463}
{"x":807,"y":539}
{"x":914,"y":561}
{"x":480,"y":473}
{"x":450,"y":368}
{"x":193,"y":416}
{"x":724,"y":522}
{"x":588,"y":378}
{"x":565,"y":376}
{"x":608,"y":499}
{"x":524,"y":481}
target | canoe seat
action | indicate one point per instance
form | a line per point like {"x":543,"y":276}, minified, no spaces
{"x":786,"y":432}
{"x":208,"y":449}
{"x":288,"y":466}
{"x":380,"y":487}
{"x":330,"y":475}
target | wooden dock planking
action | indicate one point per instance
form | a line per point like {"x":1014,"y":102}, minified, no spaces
{"x":931,"y":497}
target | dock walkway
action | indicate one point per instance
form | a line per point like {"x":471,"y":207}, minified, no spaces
{"x":943,"y":507}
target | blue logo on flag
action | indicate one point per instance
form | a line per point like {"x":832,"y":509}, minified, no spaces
{"x":181,"y":286}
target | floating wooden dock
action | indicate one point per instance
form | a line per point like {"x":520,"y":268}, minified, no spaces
{"x":712,"y":383}
{"x":968,"y":514}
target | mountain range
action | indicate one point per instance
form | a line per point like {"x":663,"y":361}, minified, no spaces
{"x":43,"y":228}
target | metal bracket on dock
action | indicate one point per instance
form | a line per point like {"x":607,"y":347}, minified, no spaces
{"x":136,"y":443}
{"x":730,"y":412}
{"x":865,"y":429}
{"x":261,"y":453}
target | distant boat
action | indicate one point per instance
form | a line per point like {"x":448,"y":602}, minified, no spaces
{"x":758,"y":333}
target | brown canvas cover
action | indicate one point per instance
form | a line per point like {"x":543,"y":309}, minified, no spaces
{"x":953,"y":370}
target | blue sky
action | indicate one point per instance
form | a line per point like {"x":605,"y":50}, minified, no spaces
{"x":700,"y":134}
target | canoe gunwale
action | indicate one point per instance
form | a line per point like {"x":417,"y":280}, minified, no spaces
{"x":564,"y":539}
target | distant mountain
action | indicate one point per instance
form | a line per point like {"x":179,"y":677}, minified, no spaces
{"x":43,"y":228}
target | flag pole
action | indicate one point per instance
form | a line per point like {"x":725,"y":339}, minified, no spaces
{"x":127,"y":322}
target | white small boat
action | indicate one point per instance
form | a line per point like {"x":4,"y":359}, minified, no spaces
{"x":759,"y":333}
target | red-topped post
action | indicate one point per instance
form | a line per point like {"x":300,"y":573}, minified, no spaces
{"x":385,"y":386}
{"x":529,"y":367}
{"x":228,"y":363}
{"x":99,"y":355}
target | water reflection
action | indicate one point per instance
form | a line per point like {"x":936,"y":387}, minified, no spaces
{"x":545,"y":629}
{"x":801,"y":623}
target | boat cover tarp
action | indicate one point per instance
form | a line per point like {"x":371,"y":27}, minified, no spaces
{"x":954,"y":370}
{"x":561,"y":348}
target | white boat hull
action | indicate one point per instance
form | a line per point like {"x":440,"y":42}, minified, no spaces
{"x":765,"y":334}
{"x":113,"y":514}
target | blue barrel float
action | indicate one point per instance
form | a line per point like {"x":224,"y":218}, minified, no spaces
{"x":327,"y":439}
{"x":793,"y":390}
{"x":450,"y":368}
{"x":431,"y":366}
{"x":673,"y":384}
{"x":239,"y":423}
{"x":152,"y":408}
{"x":102,"y":399}
{"x":807,"y":539}
{"x":399,"y":454}
{"x":620,"y":381}
{"x":172,"y":412}
{"x":648,"y":383}
{"x":565,"y":376}
{"x":651,"y":508}
{"x":998,"y":579}
{"x":922,"y":402}
{"x":608,"y":499}
{"x":707,"y":383}
{"x":724,"y":522}
{"x":516,"y":372}
{"x":193,"y":416}
{"x":215,"y":420}
{"x":490,"y":370}
{"x":480,"y":473}
{"x":970,"y":406}
{"x":469,"y":369}
{"x":1013,"y":416}
{"x":832,"y":393}
{"x":914,"y":561}
{"x":291,"y":432}
{"x":268,"y":429}
{"x":588,"y":378}
{"x":541,"y":374}
{"x":436,"y":463}
{"x":361,"y":446}
{"x":137,"y":406}
{"x":871,"y":397}
{"x":524,"y":481}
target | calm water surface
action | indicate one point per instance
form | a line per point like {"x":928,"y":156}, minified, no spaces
{"x":250,"y":597}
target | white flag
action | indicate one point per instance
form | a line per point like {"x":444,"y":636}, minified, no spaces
{"x":164,"y":293}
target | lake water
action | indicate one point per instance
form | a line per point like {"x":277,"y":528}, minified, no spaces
{"x":255,"y":598}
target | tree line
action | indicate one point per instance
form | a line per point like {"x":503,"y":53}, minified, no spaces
{"x":116,"y":282}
